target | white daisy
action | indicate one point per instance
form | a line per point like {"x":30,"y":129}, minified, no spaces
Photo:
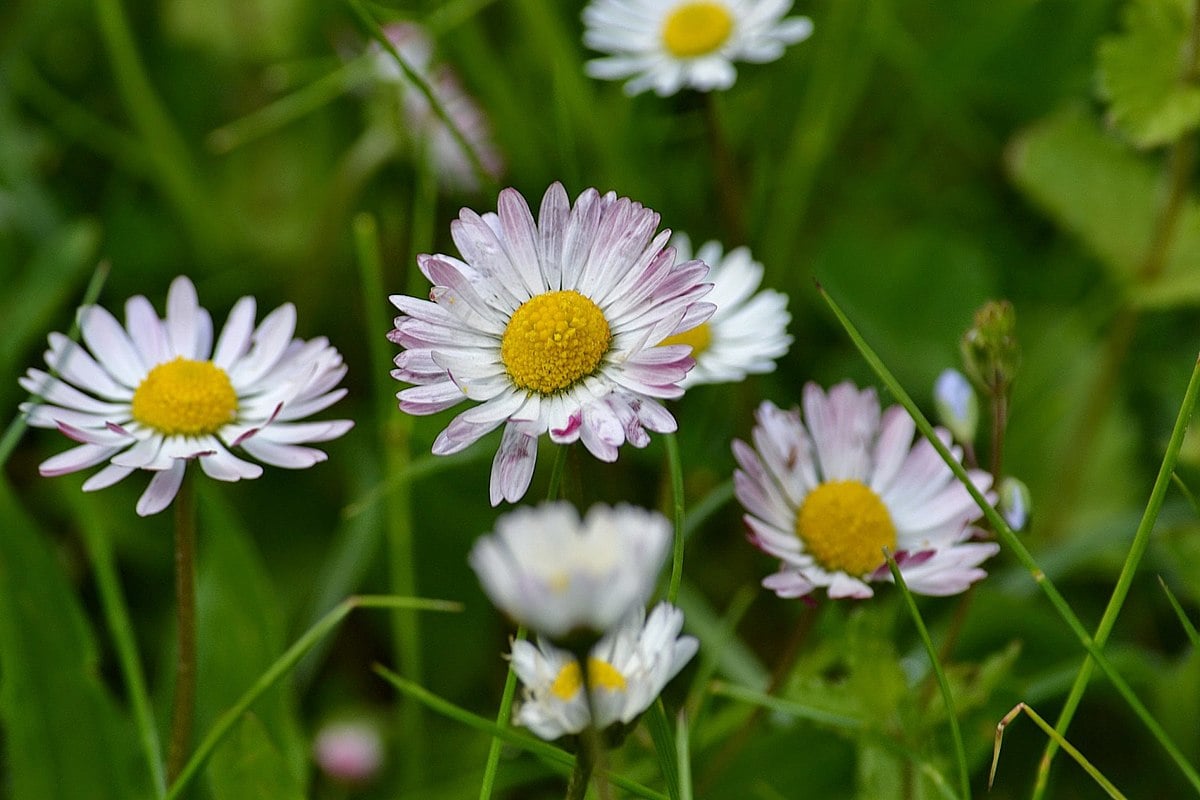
{"x":627,"y":670}
{"x":155,"y":394}
{"x":553,"y":326}
{"x":666,"y":45}
{"x":826,"y":497}
{"x":429,"y":134}
{"x":747,"y":332}
{"x":557,"y":575}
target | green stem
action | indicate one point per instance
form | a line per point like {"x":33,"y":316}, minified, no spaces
{"x":960,"y":753}
{"x":728,"y":188}
{"x":1014,"y":543}
{"x":581,"y":774}
{"x":1185,"y":623}
{"x":510,"y":680}
{"x":675,"y":465}
{"x":683,"y":756}
{"x":283,"y":665}
{"x":372,"y":28}
{"x":1055,"y":736}
{"x":1141,"y":540}
{"x":116,"y":616}
{"x":184,"y":704}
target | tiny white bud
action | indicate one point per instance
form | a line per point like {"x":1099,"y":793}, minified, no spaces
{"x":1014,"y":503}
{"x":956,"y":405}
{"x":350,"y":751}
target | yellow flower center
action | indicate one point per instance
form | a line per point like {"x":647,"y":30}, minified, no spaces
{"x":185,"y":398}
{"x":845,"y":526}
{"x":696,"y":29}
{"x":699,"y":337}
{"x":601,"y":675}
{"x":553,"y":341}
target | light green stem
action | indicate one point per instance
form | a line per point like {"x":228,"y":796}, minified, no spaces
{"x":675,"y":465}
{"x":184,"y":704}
{"x":960,"y":753}
{"x":1014,"y":543}
{"x":283,"y":665}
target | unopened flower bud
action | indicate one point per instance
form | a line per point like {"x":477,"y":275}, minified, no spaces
{"x":990,"y":350}
{"x":1014,"y":503}
{"x":350,"y":751}
{"x":957,"y":407}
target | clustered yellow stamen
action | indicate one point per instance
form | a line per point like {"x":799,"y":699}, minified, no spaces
{"x":845,"y":526}
{"x":601,"y":675}
{"x":696,"y":29}
{"x":553,"y":341}
{"x":699,"y":337}
{"x":185,"y":398}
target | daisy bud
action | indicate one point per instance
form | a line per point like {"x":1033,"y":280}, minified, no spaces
{"x":990,"y":350}
{"x":1014,"y":504}
{"x":349,"y":752}
{"x":957,"y":407}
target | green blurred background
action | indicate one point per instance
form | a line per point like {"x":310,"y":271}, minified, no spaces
{"x":917,"y":158}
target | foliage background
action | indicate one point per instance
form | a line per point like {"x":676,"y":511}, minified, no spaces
{"x":917,"y":158}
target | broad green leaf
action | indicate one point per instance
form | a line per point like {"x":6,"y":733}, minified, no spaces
{"x":64,"y":737}
{"x":250,"y":753}
{"x":1141,"y":73}
{"x":241,"y":632}
{"x":1107,"y":196}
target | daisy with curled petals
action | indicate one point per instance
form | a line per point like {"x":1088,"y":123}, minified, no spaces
{"x":627,"y":670}
{"x":552,"y":326}
{"x":747,"y":332}
{"x":668,"y":45}
{"x":559,"y":575}
{"x":155,"y":394}
{"x":826,"y":493}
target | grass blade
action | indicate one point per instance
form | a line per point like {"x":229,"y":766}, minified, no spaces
{"x":1097,"y":776}
{"x":1186,"y":623}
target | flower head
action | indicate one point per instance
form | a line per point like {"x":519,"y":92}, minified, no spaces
{"x":747,"y":332}
{"x":666,"y":45}
{"x":558,"y":575}
{"x":350,"y":751}
{"x":825,"y":495}
{"x":429,"y":133}
{"x":553,"y":326}
{"x":627,"y":670}
{"x":156,"y":394}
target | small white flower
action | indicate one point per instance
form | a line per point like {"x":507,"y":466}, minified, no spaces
{"x":827,"y":494}
{"x":627,"y":670}
{"x":556,"y":575}
{"x":666,"y":45}
{"x":425,"y":129}
{"x":553,"y":327}
{"x":747,"y":332}
{"x":156,"y":394}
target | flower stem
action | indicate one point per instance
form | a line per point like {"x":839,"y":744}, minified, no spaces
{"x":675,"y":465}
{"x":184,"y":705}
{"x":581,"y":775}
{"x":729,"y":191}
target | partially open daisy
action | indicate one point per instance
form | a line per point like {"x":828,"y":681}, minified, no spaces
{"x":627,"y":670}
{"x":424,"y":130}
{"x":747,"y":332}
{"x":552,"y":326}
{"x":666,"y":45}
{"x":155,"y":394}
{"x":558,"y":575}
{"x":826,"y":497}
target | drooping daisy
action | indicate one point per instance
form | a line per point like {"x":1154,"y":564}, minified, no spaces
{"x":666,"y":45}
{"x":747,"y":332}
{"x":553,"y":326}
{"x":557,"y":575}
{"x":827,"y":493}
{"x":156,"y":394}
{"x":627,"y":670}
{"x":424,"y":130}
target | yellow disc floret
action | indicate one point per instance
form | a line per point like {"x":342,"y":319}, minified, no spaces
{"x":699,"y":337}
{"x":696,"y":29}
{"x":185,"y":398}
{"x":845,"y":526}
{"x":553,"y":341}
{"x":601,"y":675}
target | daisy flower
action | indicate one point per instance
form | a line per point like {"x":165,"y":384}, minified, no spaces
{"x":557,"y":575}
{"x":430,"y":134}
{"x":826,"y":494}
{"x":666,"y":45}
{"x":156,"y":394}
{"x":553,"y":326}
{"x":747,"y":332}
{"x":627,"y":670}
